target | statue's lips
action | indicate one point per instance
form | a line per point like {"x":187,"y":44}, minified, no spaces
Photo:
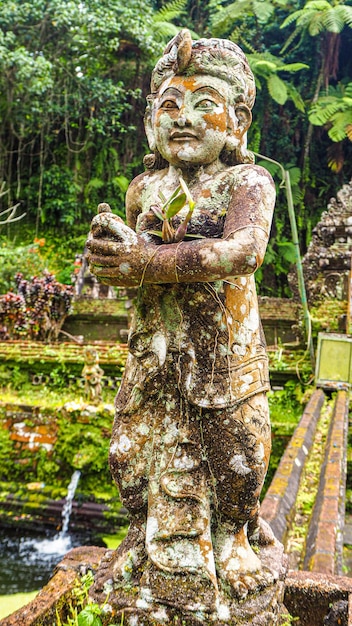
{"x":182,"y":136}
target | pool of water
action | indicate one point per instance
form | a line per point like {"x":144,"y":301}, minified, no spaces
{"x":27,"y":561}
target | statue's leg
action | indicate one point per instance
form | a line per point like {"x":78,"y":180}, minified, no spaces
{"x":237,"y":445}
{"x":130,"y":456}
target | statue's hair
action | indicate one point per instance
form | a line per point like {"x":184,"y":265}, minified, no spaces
{"x":213,"y":57}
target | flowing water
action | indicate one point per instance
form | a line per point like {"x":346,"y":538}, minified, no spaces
{"x":27,"y":562}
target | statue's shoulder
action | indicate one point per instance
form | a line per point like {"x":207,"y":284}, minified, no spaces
{"x":139,"y":183}
{"x":250,"y":174}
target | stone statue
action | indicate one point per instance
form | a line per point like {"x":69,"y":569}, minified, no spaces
{"x":191,"y":438}
{"x":92,"y":375}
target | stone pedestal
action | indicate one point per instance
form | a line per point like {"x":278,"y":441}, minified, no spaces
{"x":150,"y":597}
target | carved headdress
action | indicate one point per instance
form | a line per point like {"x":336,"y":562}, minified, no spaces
{"x":214,"y":57}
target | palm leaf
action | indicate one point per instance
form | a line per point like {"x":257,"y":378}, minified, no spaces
{"x":277,"y":89}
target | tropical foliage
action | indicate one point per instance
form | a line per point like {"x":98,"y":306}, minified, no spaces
{"x":73,"y":82}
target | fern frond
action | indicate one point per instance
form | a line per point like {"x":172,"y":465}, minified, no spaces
{"x":292,"y":67}
{"x":346,"y":13}
{"x":165,"y":30}
{"x":263,"y":10}
{"x":321,"y":113}
{"x":333,"y":21}
{"x":294,"y":95}
{"x":317,"y":5}
{"x":349,"y":131}
{"x":315,"y":24}
{"x":170,"y":11}
{"x":340,"y":121}
{"x":291,"y":18}
{"x":290,"y":39}
{"x":223,"y":19}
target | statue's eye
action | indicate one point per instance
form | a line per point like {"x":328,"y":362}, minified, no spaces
{"x":169,"y":104}
{"x":205,"y":104}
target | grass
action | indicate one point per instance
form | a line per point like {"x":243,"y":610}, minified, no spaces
{"x":41,"y":395}
{"x":9,"y":604}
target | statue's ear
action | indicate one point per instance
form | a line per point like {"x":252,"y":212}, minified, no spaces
{"x":148,"y":124}
{"x":244,"y":117}
{"x":240,"y":119}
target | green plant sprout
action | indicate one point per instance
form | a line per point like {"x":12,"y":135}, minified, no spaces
{"x":83,"y":611}
{"x":180,"y":197}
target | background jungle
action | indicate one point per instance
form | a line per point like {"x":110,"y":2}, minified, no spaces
{"x":73,"y":81}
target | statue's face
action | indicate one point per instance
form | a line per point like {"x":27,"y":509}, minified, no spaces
{"x":192,"y":119}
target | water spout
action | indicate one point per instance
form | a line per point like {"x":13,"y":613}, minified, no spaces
{"x":61,"y":543}
{"x":67,"y":508}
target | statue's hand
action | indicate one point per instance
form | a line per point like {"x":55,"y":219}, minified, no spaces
{"x":110,"y":227}
{"x":116,"y":254}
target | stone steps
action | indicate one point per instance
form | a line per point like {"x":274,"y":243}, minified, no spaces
{"x":324,"y":539}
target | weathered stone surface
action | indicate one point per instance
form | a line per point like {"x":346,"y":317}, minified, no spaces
{"x":327,"y":263}
{"x":325,"y":533}
{"x":278,"y":504}
{"x":310,"y":596}
{"x":191,"y":438}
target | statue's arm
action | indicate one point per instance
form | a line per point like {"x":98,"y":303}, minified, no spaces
{"x":130,"y":259}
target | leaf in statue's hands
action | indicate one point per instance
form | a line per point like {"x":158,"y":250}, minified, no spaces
{"x":160,"y":214}
{"x":176,"y":205}
{"x":181,"y":232}
{"x":173,"y":195}
{"x":157,"y":233}
{"x":162,"y":197}
{"x":185,"y":189}
{"x":168,"y":232}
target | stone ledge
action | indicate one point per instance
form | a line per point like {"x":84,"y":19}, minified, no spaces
{"x":280,"y":498}
{"x":308,"y":596}
{"x":325,"y":534}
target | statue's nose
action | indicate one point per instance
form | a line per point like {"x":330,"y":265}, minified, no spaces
{"x":183,"y":118}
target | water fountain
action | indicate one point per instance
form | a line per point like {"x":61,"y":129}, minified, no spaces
{"x":62,"y":542}
{"x":27,"y":562}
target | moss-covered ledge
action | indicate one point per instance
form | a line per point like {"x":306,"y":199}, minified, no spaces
{"x":54,"y":598}
{"x":309,"y":598}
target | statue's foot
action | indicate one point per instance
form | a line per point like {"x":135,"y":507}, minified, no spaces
{"x":241,"y":585}
{"x":121,"y":565}
{"x":239,"y":568}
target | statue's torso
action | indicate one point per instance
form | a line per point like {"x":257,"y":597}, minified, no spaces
{"x":208,"y":334}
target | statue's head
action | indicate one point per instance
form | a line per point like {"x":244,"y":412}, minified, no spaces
{"x":211,"y":80}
